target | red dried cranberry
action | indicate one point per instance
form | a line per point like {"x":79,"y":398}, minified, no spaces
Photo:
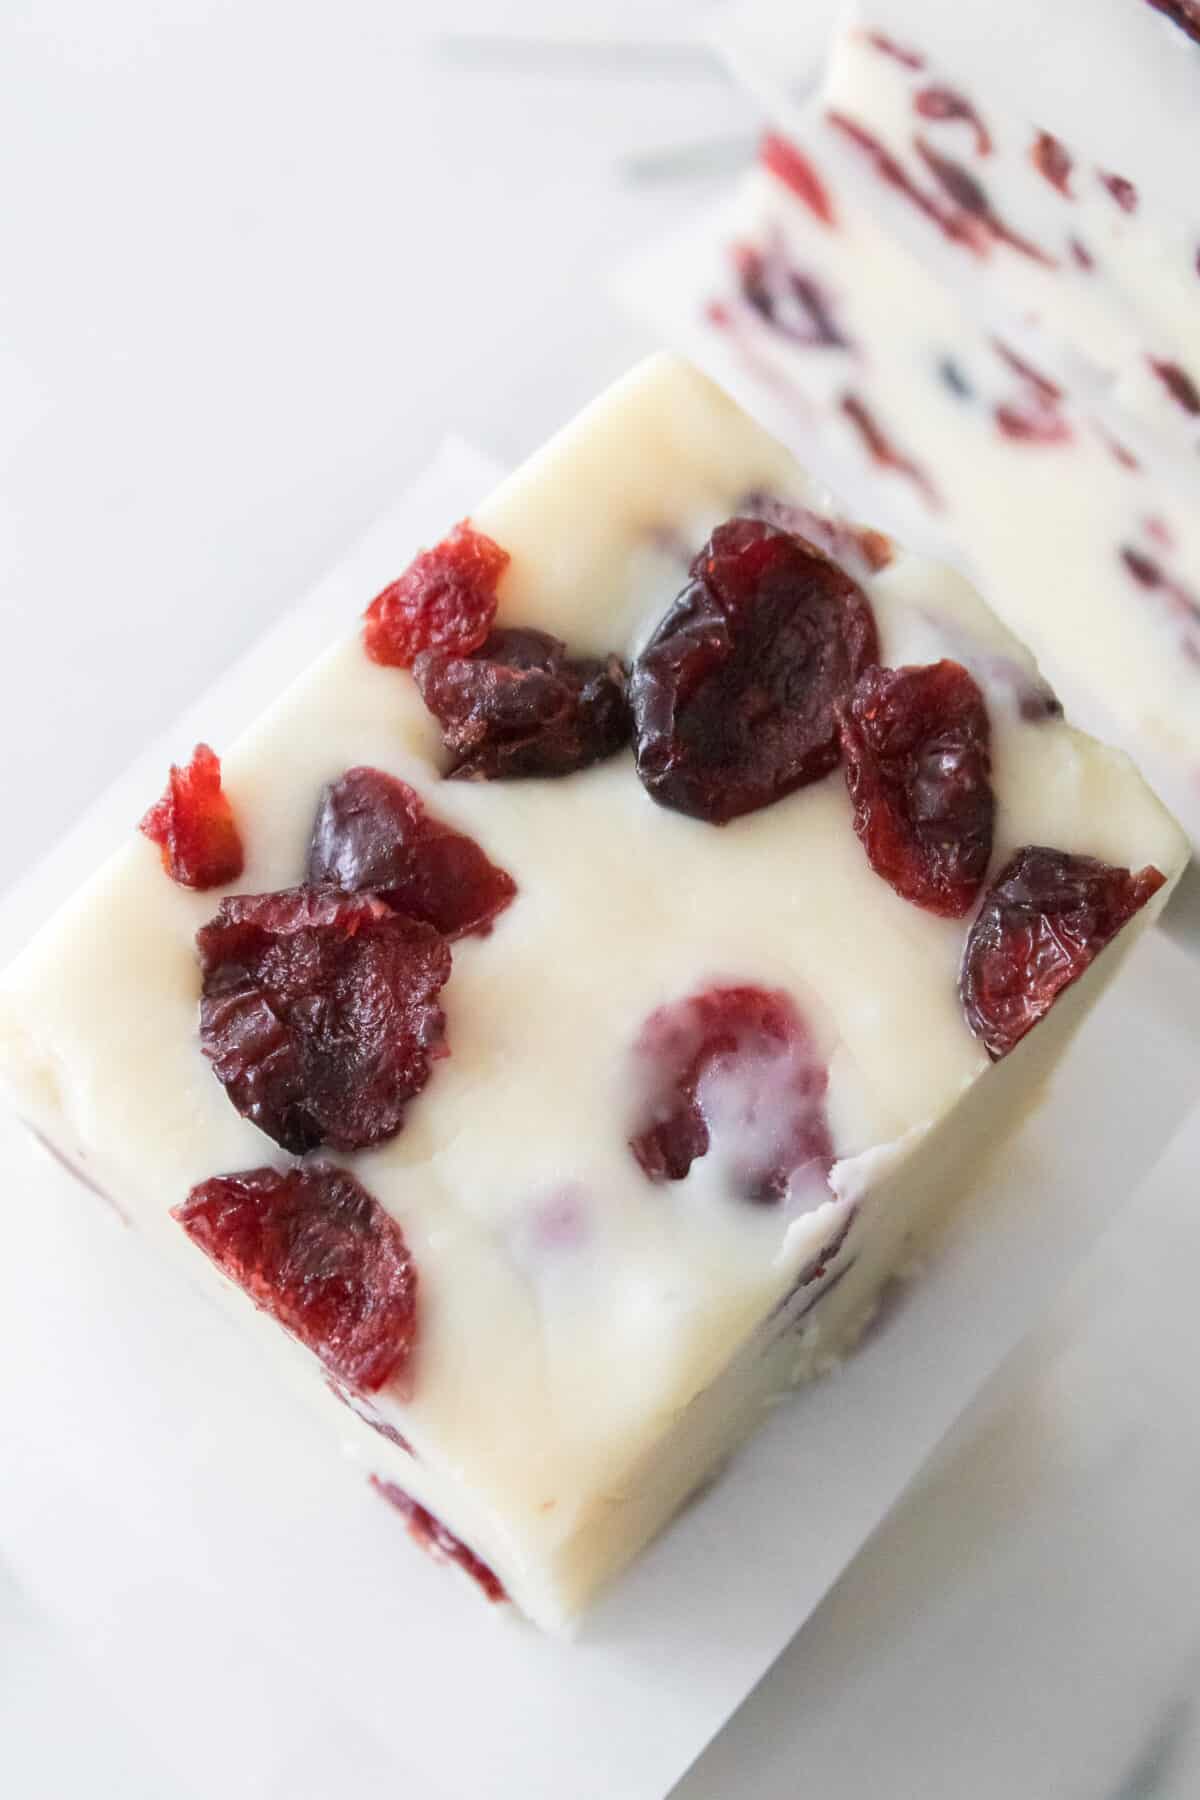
{"x":1179,"y":385}
{"x":372,"y":832}
{"x":959,"y":227}
{"x":521,"y":706}
{"x":793,"y":168}
{"x":919,"y":769}
{"x":1184,"y":13}
{"x":320,"y":1013}
{"x":194,"y":826}
{"x":734,"y":695}
{"x":881,"y":449}
{"x":1049,"y":392}
{"x":967,"y":192}
{"x":319,"y":1253}
{"x":887,"y":46}
{"x":737,"y":1064}
{"x":1122,"y":191}
{"x":1082,"y":255}
{"x":1044,"y":919}
{"x":445,"y":600}
{"x":944,"y":103}
{"x":1052,"y":159}
{"x":788,"y":299}
{"x":438,"y":1540}
{"x":1031,"y":427}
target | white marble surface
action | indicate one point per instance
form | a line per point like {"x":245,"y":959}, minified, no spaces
{"x":257,"y":259}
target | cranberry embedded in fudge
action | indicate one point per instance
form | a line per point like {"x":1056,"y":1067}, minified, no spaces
{"x":740,"y":1063}
{"x":1044,"y":919}
{"x":734,"y":697}
{"x":373,"y":833}
{"x":320,"y":1014}
{"x":319,"y":1253}
{"x":520,"y":706}
{"x":918,"y":765}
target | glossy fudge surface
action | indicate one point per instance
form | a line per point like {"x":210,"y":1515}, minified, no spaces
{"x":590,"y":1342}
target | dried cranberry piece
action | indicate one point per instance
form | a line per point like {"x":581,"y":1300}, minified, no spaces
{"x":916,"y":742}
{"x":945,"y":103}
{"x":320,"y":1013}
{"x":1052,"y":159}
{"x":319,"y":1253}
{"x":1044,"y":919}
{"x":1123,"y":191}
{"x":734,"y":695}
{"x":887,"y":46}
{"x":194,"y":826}
{"x":969,"y":193}
{"x":881,"y":449}
{"x":790,"y":165}
{"x":438,"y":1540}
{"x":786,"y":298}
{"x":1179,"y":385}
{"x":737,"y":1064}
{"x":372,"y":831}
{"x":521,"y":706}
{"x":1184,"y":13}
{"x":954,"y":224}
{"x":445,"y":600}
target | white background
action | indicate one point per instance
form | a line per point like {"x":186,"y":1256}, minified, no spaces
{"x":257,"y":258}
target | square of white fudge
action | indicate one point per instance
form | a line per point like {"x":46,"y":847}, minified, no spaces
{"x":591,"y":1343}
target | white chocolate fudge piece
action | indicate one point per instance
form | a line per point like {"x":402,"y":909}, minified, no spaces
{"x":1036,"y":160}
{"x":626,"y":1236}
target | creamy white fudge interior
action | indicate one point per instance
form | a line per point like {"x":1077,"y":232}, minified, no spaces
{"x":979,"y":277}
{"x":592,"y":1344}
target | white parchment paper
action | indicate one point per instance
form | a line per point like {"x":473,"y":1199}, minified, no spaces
{"x":264,"y":1621}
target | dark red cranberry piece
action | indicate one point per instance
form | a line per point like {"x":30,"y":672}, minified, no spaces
{"x":320,"y":1013}
{"x":1031,"y":427}
{"x":194,"y":827}
{"x":788,"y":299}
{"x":794,"y":169}
{"x":881,"y":449}
{"x":944,"y":103}
{"x":445,"y":600}
{"x":1049,"y":392}
{"x":372,"y":832}
{"x":319,"y":1253}
{"x":438,"y":1540}
{"x":1179,"y":385}
{"x":736,"y":1064}
{"x":1122,"y":191}
{"x":1052,"y":159}
{"x":968,"y":192}
{"x":1082,"y":255}
{"x":916,"y":743}
{"x":887,"y":46}
{"x":1184,"y":13}
{"x":951,"y":221}
{"x":1044,"y":919}
{"x":520,"y":706}
{"x":734,"y":695}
